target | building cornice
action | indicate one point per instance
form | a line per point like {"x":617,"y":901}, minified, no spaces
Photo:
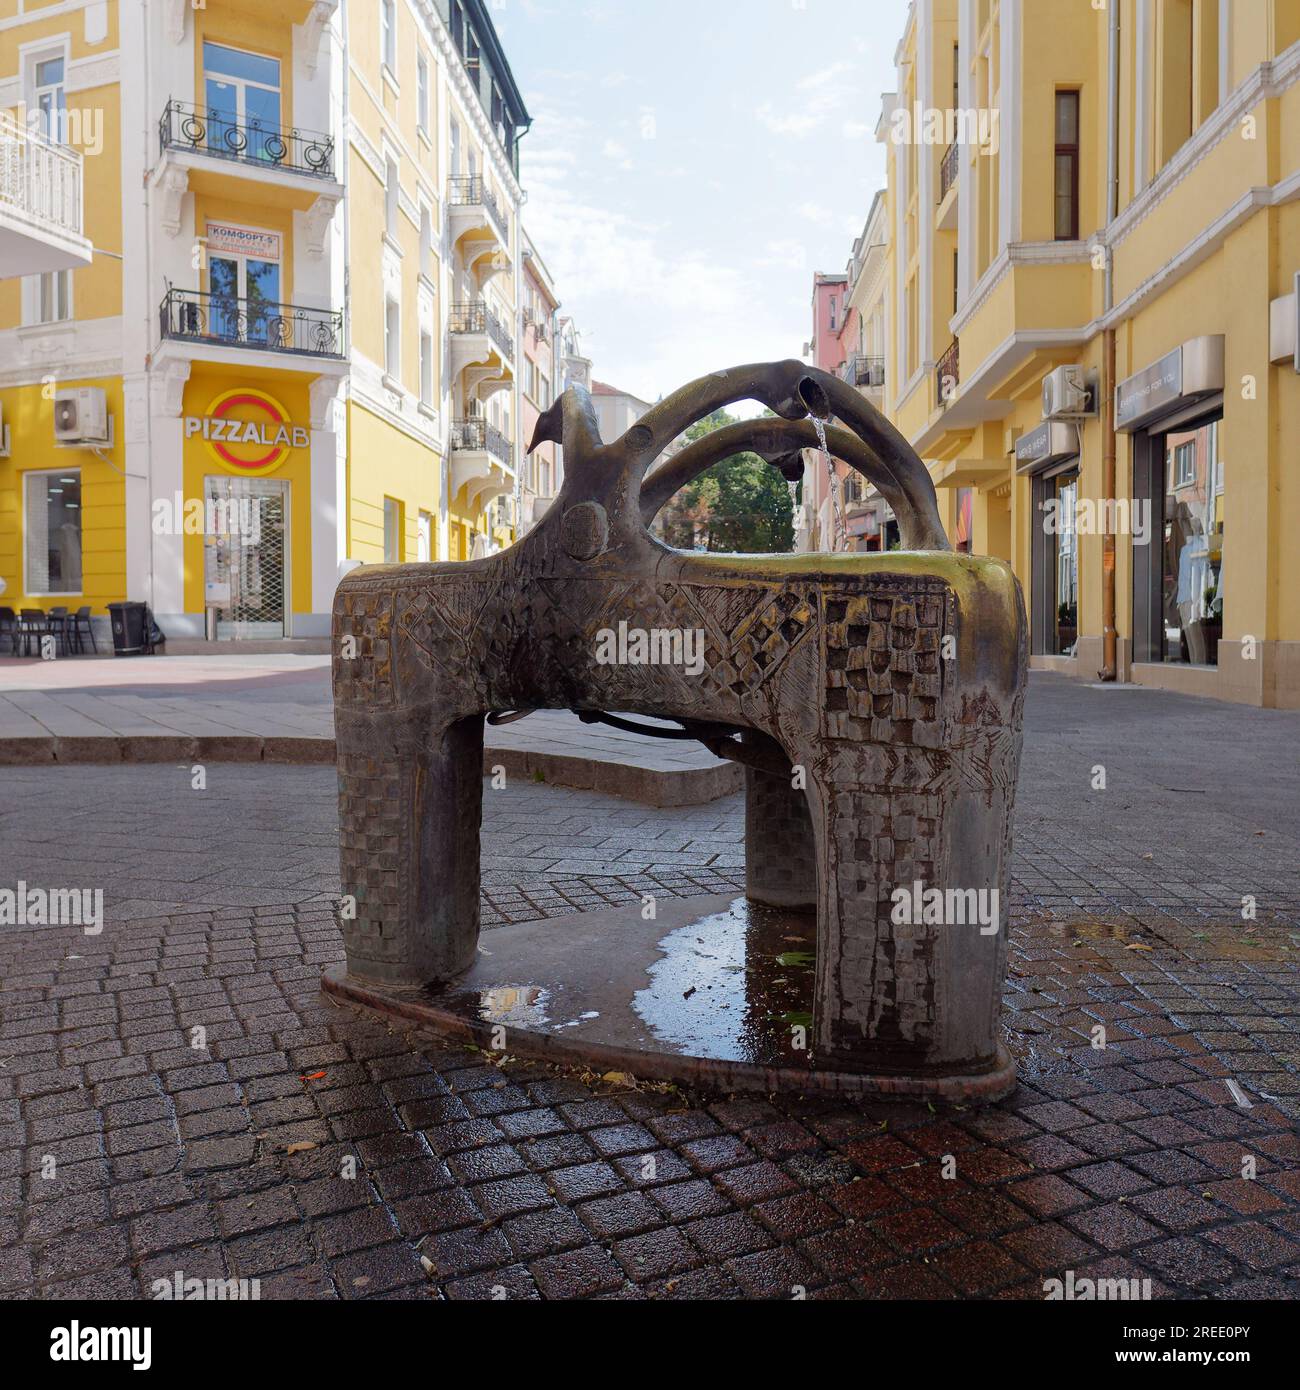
{"x":1265,"y":82}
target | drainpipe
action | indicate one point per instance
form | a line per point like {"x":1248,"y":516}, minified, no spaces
{"x":1109,"y":668}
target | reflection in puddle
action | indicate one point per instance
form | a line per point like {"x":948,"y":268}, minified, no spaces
{"x":736,"y":985}
{"x":522,"y":1005}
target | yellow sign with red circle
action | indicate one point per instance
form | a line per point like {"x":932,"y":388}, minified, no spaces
{"x":247,"y":432}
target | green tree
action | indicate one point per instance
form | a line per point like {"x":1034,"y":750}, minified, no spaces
{"x":743,"y":502}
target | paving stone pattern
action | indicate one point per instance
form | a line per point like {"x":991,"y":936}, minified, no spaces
{"x":1118,"y":1162}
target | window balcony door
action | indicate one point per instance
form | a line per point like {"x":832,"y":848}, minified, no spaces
{"x":245,"y":295}
{"x":242,"y":91}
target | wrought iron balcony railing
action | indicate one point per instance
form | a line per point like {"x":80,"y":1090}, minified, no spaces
{"x":946,"y":375}
{"x":208,"y":131}
{"x":948,"y":170}
{"x":478,"y":434}
{"x":39,"y":179}
{"x":474,"y":316}
{"x":863,"y":371}
{"x":467,"y":192}
{"x":224,"y":321}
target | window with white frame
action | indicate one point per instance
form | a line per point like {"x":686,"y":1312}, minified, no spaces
{"x":52,"y":296}
{"x":1185,"y":464}
{"x":391,"y":195}
{"x":388,"y":34}
{"x":392,"y":337}
{"x":426,"y":367}
{"x":392,"y":531}
{"x":422,"y":93}
{"x":426,"y":241}
{"x":52,"y":532}
{"x":49,"y":96}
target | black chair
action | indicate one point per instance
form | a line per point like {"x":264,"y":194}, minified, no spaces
{"x":32,"y":624}
{"x":80,"y":626}
{"x":9,"y":629}
{"x":57,"y":620}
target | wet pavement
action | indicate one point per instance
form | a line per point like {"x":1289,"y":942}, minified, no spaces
{"x":328,"y":1154}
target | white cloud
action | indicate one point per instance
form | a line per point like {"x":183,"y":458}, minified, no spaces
{"x":821,"y":94}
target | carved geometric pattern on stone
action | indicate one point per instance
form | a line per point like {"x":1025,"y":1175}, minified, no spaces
{"x":884,"y":668}
{"x":882,"y":841}
{"x":373,"y":849}
{"x":366,"y":676}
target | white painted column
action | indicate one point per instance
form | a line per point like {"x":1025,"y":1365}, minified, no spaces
{"x":927,"y":187}
{"x":1010,"y":83}
{"x":328,"y":504}
{"x":166,"y":481}
{"x":967,"y":238}
{"x":1142,"y":95}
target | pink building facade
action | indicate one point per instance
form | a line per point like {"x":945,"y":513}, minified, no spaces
{"x":816,"y":529}
{"x":539,"y":474}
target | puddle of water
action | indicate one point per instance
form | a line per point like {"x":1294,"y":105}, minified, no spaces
{"x":735,"y":985}
{"x":523,"y":1006}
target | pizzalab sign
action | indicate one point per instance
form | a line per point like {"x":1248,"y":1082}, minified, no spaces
{"x":247,"y":432}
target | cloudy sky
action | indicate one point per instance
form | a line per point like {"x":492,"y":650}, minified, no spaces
{"x":692,"y":162}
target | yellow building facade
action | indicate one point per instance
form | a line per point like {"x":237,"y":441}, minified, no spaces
{"x":293,"y":348}
{"x":1093,"y":219}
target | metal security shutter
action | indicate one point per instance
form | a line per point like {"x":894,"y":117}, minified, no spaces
{"x":246,"y":555}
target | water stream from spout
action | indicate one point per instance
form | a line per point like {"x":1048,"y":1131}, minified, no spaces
{"x":841,"y":531}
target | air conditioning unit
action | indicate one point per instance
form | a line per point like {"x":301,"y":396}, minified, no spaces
{"x":1066,"y":393}
{"x":81,"y":417}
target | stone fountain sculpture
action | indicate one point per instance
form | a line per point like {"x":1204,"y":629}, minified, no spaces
{"x":875,"y":700}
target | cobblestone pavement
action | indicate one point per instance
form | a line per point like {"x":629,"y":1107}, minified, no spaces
{"x":225,"y":1160}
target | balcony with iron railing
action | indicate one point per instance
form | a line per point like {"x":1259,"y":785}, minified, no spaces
{"x":946,"y":376}
{"x":474,"y":207}
{"x":474,"y":317}
{"x":187,"y":128}
{"x":864,"y":371}
{"x":948,"y":167}
{"x":40,"y":203}
{"x":477,"y":435}
{"x":223,"y":321}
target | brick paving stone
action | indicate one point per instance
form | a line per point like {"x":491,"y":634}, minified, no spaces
{"x":518,"y":1178}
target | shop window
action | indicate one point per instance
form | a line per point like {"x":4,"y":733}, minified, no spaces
{"x":1067,"y":565}
{"x":1192,"y":559}
{"x":52,"y":533}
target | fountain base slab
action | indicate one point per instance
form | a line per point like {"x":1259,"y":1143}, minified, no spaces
{"x":713,"y":991}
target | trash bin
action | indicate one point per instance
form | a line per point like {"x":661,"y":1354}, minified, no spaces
{"x":130,"y":623}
